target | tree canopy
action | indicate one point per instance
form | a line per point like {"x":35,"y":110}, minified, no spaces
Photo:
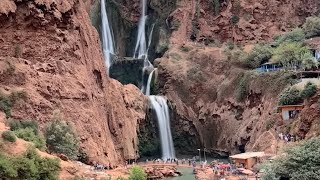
{"x":300,"y":162}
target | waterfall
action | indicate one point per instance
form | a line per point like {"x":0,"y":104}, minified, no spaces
{"x":107,"y":38}
{"x":158,"y":103}
{"x":141,"y":46}
{"x":160,"y":106}
{"x":149,"y":83}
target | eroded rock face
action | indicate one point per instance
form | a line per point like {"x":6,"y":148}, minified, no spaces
{"x":202,"y":86}
{"x":239,"y":20}
{"x":57,"y":61}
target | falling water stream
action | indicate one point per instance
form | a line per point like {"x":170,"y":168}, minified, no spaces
{"x":107,"y":38}
{"x":159,"y":103}
{"x":160,"y":106}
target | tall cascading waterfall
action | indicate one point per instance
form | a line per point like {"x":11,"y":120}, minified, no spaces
{"x":160,"y":106}
{"x":107,"y":38}
{"x":141,"y":47}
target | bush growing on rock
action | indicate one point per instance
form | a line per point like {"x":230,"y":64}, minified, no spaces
{"x":9,"y":136}
{"x":242,"y":88}
{"x":29,"y":166}
{"x":312,"y":27}
{"x":298,"y":162}
{"x":8,"y":101}
{"x":291,"y":55}
{"x":296,"y":35}
{"x":290,"y":96}
{"x":17,"y":124}
{"x":137,"y":173}
{"x":259,"y":54}
{"x":309,"y":90}
{"x":61,"y":138}
{"x":28,"y":134}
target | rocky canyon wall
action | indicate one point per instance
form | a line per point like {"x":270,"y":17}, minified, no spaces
{"x":55,"y":57}
{"x":198,"y":80}
{"x":203,"y":85}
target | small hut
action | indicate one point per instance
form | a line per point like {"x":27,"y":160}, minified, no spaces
{"x":249,"y":159}
{"x":290,"y":111}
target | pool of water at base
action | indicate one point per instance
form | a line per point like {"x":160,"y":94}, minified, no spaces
{"x":187,"y":174}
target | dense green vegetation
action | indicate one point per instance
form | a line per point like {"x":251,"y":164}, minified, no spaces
{"x":9,"y":136}
{"x":8,"y":101}
{"x":27,"y":130}
{"x":29,"y":135}
{"x":312,"y":27}
{"x":309,"y":90}
{"x":137,"y":173}
{"x":296,"y":163}
{"x":242,"y":88}
{"x":61,"y":138}
{"x":17,"y":124}
{"x":29,"y":166}
{"x":296,"y":35}
{"x":294,"y":56}
{"x":287,"y":50}
{"x":292,"y":96}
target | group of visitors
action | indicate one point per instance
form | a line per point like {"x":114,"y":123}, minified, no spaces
{"x":288,"y":137}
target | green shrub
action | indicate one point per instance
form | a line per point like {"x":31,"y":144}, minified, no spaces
{"x":29,"y":166}
{"x":309,"y":90}
{"x":83,"y":156}
{"x":308,"y":61}
{"x":270,"y":124}
{"x":195,"y":74}
{"x":290,"y":54}
{"x":184,"y":48}
{"x":61,"y":138}
{"x":312,"y":26}
{"x":29,"y":135}
{"x":296,"y":163}
{"x":17,"y":124}
{"x":9,"y":136}
{"x":8,"y":101}
{"x":296,"y":35}
{"x":234,"y":20}
{"x":290,"y":96}
{"x":259,"y":54}
{"x":17,"y":95}
{"x":242,"y":88}
{"x":137,"y":173}
{"x":18,"y":51}
{"x":5,"y":104}
{"x":7,"y":169}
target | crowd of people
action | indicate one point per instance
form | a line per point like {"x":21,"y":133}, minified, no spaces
{"x":288,"y":137}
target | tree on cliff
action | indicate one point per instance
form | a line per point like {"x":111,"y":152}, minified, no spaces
{"x":61,"y":138}
{"x":296,"y":163}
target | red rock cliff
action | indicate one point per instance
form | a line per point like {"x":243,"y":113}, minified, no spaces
{"x":56,"y":54}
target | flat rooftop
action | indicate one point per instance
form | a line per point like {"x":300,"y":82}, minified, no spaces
{"x":248,"y":155}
